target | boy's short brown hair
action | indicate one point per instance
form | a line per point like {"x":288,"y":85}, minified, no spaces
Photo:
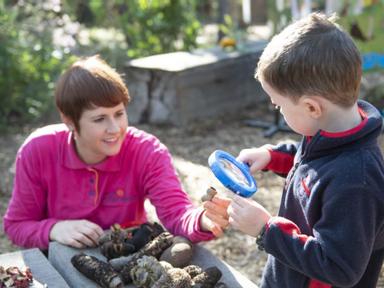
{"x":87,"y":83}
{"x":313,"y":56}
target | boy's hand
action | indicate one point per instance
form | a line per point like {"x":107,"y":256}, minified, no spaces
{"x":247,"y":215}
{"x":256,"y":158}
{"x":215,"y":217}
{"x":76,"y":233}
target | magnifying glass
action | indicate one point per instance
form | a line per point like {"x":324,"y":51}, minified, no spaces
{"x":233,"y":174}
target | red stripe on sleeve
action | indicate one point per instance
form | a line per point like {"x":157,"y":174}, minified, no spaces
{"x":305,"y":186}
{"x":288,"y":228}
{"x":280,"y":162}
{"x":313,"y":283}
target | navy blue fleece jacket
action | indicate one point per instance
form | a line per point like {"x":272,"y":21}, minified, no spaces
{"x":330,"y":228}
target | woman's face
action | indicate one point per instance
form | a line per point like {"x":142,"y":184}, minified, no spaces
{"x":101,"y":134}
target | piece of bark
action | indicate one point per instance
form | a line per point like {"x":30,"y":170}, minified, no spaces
{"x":154,"y":248}
{"x":151,"y":273}
{"x":193,"y":270}
{"x":208,"y":278}
{"x":116,"y":242}
{"x":209,"y":194}
{"x":111,"y":234}
{"x":98,"y":271}
{"x":146,"y":271}
{"x":146,"y":233}
{"x":174,"y":278}
{"x":120,"y":262}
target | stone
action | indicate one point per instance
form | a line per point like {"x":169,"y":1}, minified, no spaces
{"x":138,"y":92}
{"x":178,"y":255}
{"x":181,"y":87}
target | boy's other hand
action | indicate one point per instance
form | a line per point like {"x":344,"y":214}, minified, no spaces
{"x":76,"y":233}
{"x":256,"y":158}
{"x":247,"y":215}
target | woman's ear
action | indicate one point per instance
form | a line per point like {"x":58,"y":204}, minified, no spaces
{"x":312,"y":106}
{"x":67,"y":121}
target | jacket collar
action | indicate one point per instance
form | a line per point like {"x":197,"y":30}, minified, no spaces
{"x":365,"y":134}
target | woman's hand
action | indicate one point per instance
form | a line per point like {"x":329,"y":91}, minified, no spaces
{"x":256,"y":158}
{"x":247,"y":215}
{"x":76,"y":233}
{"x":215,"y":216}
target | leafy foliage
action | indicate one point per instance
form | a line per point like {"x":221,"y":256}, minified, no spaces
{"x":157,"y":26}
{"x":371,"y":25}
{"x":109,"y":43}
{"x":39,"y":38}
{"x":278,"y":17}
{"x":29,"y":62}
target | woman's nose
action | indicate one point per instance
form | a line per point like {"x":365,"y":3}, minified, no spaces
{"x":113,"y":126}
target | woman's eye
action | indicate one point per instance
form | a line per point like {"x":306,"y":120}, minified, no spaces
{"x":97,"y":120}
{"x":277,"y":107}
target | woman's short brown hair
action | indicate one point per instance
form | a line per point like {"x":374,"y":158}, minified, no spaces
{"x":313,"y":56}
{"x":87,"y":83}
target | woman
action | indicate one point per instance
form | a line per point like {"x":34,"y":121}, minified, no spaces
{"x":75,"y":179}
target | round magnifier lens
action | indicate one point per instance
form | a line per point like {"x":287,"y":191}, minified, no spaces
{"x":232,"y":174}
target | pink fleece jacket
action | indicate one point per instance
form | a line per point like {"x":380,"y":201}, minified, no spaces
{"x":53,"y":184}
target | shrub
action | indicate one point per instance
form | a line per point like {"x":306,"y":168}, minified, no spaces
{"x":29,"y":61}
{"x":157,"y":26}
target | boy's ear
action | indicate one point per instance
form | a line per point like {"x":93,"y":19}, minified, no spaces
{"x":313,"y":107}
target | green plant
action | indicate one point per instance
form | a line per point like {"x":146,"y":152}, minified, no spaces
{"x":109,"y":43}
{"x":157,"y":26}
{"x":370,"y":23}
{"x":29,"y":62}
{"x":278,"y":17}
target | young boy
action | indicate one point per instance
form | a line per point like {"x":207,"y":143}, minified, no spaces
{"x":330,"y":227}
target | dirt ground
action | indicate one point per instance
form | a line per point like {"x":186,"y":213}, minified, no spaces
{"x":191,"y":147}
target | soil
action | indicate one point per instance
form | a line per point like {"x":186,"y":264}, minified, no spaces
{"x":190,"y":147}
